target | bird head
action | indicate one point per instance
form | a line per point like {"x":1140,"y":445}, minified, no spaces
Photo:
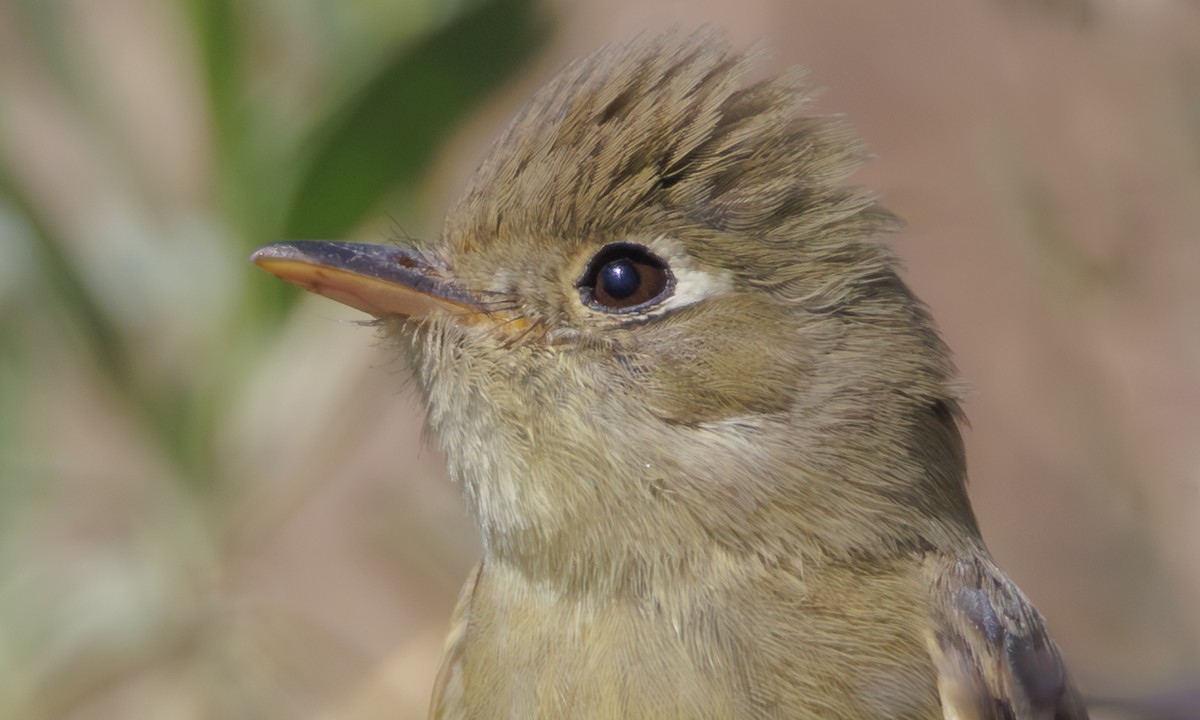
{"x":660,"y":327}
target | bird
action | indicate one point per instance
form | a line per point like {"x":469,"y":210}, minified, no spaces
{"x":708,"y":434}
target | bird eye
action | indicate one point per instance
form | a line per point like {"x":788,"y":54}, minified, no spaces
{"x":624,"y":277}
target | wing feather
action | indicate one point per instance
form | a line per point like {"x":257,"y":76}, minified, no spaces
{"x":447,"y":690}
{"x":994,"y":658}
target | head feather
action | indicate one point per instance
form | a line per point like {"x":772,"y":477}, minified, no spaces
{"x":664,"y":131}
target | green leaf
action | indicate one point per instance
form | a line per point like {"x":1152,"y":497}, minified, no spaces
{"x":387,"y":134}
{"x":215,"y":28}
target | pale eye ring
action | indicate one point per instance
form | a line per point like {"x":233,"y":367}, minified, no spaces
{"x":625,"y":277}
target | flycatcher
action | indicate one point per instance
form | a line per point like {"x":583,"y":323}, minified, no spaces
{"x":709,"y":436}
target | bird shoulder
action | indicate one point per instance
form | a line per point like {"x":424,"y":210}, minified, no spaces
{"x":447,"y":689}
{"x":994,"y":658}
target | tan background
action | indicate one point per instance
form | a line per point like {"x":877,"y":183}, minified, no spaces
{"x":1046,"y":156}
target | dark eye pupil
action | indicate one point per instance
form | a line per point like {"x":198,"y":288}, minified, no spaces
{"x":620,"y":279}
{"x":623,"y":277}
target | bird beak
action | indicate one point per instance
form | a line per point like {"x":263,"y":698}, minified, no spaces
{"x":378,"y":279}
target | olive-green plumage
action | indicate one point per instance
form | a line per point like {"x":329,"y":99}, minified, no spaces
{"x":742,"y":495}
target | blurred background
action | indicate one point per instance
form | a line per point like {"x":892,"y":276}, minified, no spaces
{"x":215,"y":500}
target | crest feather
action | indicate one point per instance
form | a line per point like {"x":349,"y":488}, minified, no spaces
{"x":665,"y":129}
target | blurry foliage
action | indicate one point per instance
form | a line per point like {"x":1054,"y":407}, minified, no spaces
{"x":124,"y":285}
{"x":347,"y":174}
